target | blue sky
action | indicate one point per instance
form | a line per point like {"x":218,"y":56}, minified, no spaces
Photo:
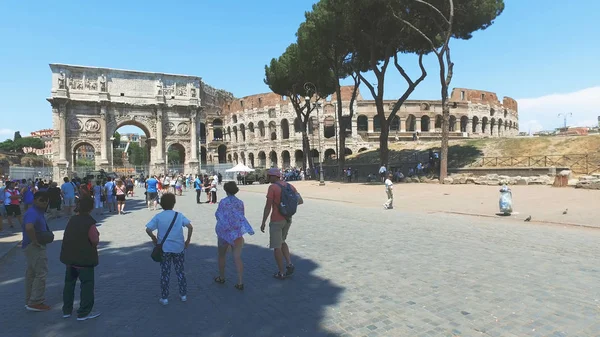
{"x":541,"y":52}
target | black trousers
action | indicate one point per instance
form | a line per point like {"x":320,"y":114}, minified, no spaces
{"x":86,"y":278}
{"x":214,"y":196}
{"x":198,"y":194}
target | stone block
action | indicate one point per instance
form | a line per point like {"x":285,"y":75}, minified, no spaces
{"x":573,"y":182}
{"x":493,"y":182}
{"x":589,"y":184}
{"x":565,"y":173}
{"x":522,"y":181}
{"x":470,"y":180}
{"x":448,"y":180}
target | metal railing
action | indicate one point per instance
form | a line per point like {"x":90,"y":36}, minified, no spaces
{"x":577,"y":163}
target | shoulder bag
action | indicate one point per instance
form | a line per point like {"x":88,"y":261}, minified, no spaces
{"x":157,"y":252}
{"x":45,"y":237}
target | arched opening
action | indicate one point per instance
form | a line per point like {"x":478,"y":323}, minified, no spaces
{"x":475,"y":125}
{"x":362,"y":149}
{"x":297,"y":125}
{"x":315,"y":155}
{"x":411,"y":123}
{"x":203,"y":157}
{"x":262,"y":159}
{"x":285,"y":159}
{"x":298,"y":158}
{"x":261,"y":129}
{"x":484,"y":123}
{"x":438,"y":123}
{"x":217,"y":129}
{"x":251,"y":128}
{"x":202,"y":133}
{"x":452,"y":124}
{"x":273,"y":158}
{"x":84,"y":157}
{"x":235,"y":158}
{"x":329,"y":127}
{"x":229,"y":158}
{"x":273,"y":130}
{"x":175,"y":158}
{"x":311,"y":125}
{"x":376,"y":124}
{"x":362,"y":123}
{"x":243,"y":158}
{"x":395,"y":124}
{"x":285,"y":129}
{"x":492,"y":126}
{"x":500,"y":126}
{"x":347,"y":151}
{"x":131,"y":149}
{"x":228,"y":134}
{"x":347,"y":122}
{"x":329,"y":155}
{"x":243,"y":132}
{"x":464,"y":123}
{"x":222,"y":151}
{"x":425,"y":120}
{"x":235,"y":134}
{"x":234,"y":118}
{"x":251,"y":159}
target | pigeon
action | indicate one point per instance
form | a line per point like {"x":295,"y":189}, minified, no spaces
{"x":528,"y":218}
{"x":566,"y":210}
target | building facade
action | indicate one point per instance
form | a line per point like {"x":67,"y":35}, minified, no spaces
{"x":46,"y":136}
{"x":263,"y":130}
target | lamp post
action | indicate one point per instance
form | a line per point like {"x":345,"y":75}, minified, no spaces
{"x":565,"y":115}
{"x":310,"y":89}
{"x":112,"y":153}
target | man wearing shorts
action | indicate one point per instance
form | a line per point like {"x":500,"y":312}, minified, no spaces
{"x":279,"y":226}
{"x":152,"y":192}
{"x":68,"y":193}
{"x":12,"y":203}
{"x":111,"y":199}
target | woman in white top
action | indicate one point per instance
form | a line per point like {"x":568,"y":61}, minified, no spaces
{"x":98,"y":202}
{"x":174,"y":245}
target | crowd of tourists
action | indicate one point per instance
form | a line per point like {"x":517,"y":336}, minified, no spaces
{"x":166,"y":229}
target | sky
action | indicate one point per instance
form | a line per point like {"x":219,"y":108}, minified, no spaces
{"x":542,"y":53}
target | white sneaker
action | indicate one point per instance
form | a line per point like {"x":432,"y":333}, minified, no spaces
{"x":66,"y":315}
{"x":184,"y":298}
{"x":91,"y":315}
{"x":163,"y":301}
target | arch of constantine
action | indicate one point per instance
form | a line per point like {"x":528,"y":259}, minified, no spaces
{"x":89,"y":104}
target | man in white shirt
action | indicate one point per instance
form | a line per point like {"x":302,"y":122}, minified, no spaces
{"x":389,"y":186}
{"x":382,"y":172}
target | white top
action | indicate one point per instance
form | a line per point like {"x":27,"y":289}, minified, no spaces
{"x":175,"y":242}
{"x":388,"y":184}
{"x":216,"y":178}
{"x":382,"y":169}
{"x":8,"y":194}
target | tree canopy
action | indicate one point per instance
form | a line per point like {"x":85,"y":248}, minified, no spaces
{"x":20,"y":143}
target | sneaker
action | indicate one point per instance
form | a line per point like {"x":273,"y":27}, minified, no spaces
{"x":163,"y":301}
{"x":91,"y":315}
{"x":184,"y":298}
{"x":66,"y":315}
{"x":37,"y":307}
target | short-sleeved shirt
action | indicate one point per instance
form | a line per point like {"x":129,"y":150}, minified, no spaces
{"x":68,"y":190}
{"x":198,"y":184}
{"x":274,"y":193}
{"x":175,"y":242}
{"x":8,"y":194}
{"x":109,"y":188}
{"x":388,"y":184}
{"x":152,"y":185}
{"x":36,"y":217}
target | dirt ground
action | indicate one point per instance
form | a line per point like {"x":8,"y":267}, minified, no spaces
{"x":544,"y":204}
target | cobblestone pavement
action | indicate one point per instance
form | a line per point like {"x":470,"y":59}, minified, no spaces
{"x":360,"y":272}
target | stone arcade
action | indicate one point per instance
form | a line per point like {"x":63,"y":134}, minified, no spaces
{"x":89,"y":104}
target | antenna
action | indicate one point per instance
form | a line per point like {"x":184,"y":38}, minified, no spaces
{"x":565,"y":115}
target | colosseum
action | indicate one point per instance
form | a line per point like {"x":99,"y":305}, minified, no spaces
{"x":263,"y":131}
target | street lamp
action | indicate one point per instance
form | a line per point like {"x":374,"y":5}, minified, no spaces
{"x":310,"y":89}
{"x":565,"y":115}
{"x":112,"y":155}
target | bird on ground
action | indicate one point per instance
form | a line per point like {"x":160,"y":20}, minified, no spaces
{"x":528,"y":218}
{"x":566,"y":210}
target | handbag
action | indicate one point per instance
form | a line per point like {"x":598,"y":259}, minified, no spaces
{"x":45,"y":237}
{"x":157,"y":252}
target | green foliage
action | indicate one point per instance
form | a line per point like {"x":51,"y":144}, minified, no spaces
{"x":174,"y":156}
{"x":118,"y":157}
{"x":20,"y":142}
{"x":17,"y":136}
{"x":138,"y":156}
{"x":85,"y":163}
{"x":117,"y":140}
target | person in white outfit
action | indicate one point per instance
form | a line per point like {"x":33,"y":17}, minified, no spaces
{"x":389,"y":186}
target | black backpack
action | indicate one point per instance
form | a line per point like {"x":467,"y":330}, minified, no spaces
{"x":288,"y":204}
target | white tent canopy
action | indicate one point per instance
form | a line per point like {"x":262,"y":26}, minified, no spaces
{"x":240,"y":168}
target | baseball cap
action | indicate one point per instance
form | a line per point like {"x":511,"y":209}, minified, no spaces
{"x":274,"y":172}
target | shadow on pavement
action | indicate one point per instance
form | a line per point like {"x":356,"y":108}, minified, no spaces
{"x":128,"y":289}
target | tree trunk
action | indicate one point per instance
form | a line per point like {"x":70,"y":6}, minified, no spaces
{"x":341,"y":153}
{"x":307,"y":158}
{"x":384,"y":152}
{"x":445,"y":134}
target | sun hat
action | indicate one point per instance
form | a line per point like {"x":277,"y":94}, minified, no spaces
{"x":274,"y":172}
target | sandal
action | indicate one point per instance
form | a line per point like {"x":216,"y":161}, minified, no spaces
{"x":219,"y":280}
{"x":289,"y":270}
{"x":239,"y":286}
{"x":279,"y":276}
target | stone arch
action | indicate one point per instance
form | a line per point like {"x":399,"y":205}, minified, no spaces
{"x":285,"y":129}
{"x":273,"y":159}
{"x":464,"y":123}
{"x":251,"y":159}
{"x":243,"y":132}
{"x":262,"y":159}
{"x":362,"y":149}
{"x":329,"y":154}
{"x":251,"y":127}
{"x":314,"y":153}
{"x":411,"y":123}
{"x":475,"y":124}
{"x":273,"y":130}
{"x":234,"y":118}
{"x":222,"y":152}
{"x":235,"y":158}
{"x":299,"y":158}
{"x":500,"y":125}
{"x":425,"y":123}
{"x":285,"y":159}
{"x":217,"y":124}
{"x":202,"y":133}
{"x":484,"y":124}
{"x":395,"y":124}
{"x":438,"y":123}
{"x":261,"y":129}
{"x":83,"y":150}
{"x":492,"y":125}
{"x":203,"y":155}
{"x":328,"y":127}
{"x":376,"y":123}
{"x":492,"y":111}
{"x":176,"y":164}
{"x":347,"y":151}
{"x":362,"y":123}
{"x":235,"y":133}
{"x":229,"y":158}
{"x":243,"y":157}
{"x":297,"y":125}
{"x":452,"y":124}
{"x":228,"y":133}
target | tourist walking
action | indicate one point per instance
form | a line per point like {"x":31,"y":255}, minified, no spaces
{"x":213,"y":191}
{"x":27,"y":192}
{"x":36,"y":235}
{"x":198,"y":188}
{"x":169,"y":226}
{"x":120,"y":192}
{"x":98,"y":198}
{"x":79,"y":252}
{"x":54,"y":199}
{"x":281,"y":197}
{"x":389,"y":186}
{"x":152,"y":188}
{"x":231,"y":227}
{"x":68,"y":194}
{"x":12,"y":203}
{"x":110,"y":191}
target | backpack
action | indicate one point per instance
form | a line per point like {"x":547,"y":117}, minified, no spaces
{"x":289,"y":201}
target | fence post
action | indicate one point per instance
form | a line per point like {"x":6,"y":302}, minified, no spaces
{"x":586,"y":164}
{"x":545,"y":161}
{"x":528,"y":161}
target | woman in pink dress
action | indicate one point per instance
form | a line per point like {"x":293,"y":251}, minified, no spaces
{"x":231,"y":227}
